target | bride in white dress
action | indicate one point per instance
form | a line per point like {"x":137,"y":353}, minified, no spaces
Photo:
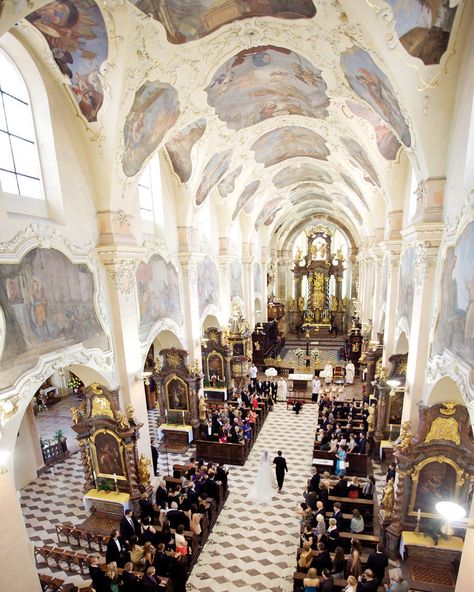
{"x":262,"y":489}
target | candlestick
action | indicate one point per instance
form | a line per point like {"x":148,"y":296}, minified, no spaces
{"x":418,"y":514}
{"x":182,"y":416}
{"x":115,"y":481}
{"x":418,"y":517}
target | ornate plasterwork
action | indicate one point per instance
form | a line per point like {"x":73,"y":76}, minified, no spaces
{"x":450,"y":365}
{"x":421,"y":190}
{"x":121,"y":264}
{"x":166,"y":324}
{"x":423,"y":262}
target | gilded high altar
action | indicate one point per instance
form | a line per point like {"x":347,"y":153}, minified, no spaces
{"x":322,"y":306}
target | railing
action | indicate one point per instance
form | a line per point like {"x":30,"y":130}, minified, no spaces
{"x":55,"y":452}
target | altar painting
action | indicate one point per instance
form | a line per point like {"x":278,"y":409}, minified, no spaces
{"x":226,"y":186}
{"x":361,"y":160}
{"x":289,"y":142}
{"x":48,"y":305}
{"x":354,"y":188}
{"x":434,"y":480}
{"x":369,"y":82}
{"x":406,"y":288}
{"x":266,"y":81}
{"x":188,"y":20}
{"x":177,"y":394}
{"x":77,"y":37}
{"x":154,"y":111}
{"x":424,"y":27}
{"x":180,"y":146}
{"x":306,"y":172}
{"x":235,"y":279}
{"x":215,"y":365}
{"x":257,"y":278}
{"x":387,"y":142}
{"x":455,"y":322}
{"x":108,"y":455}
{"x":213,"y":172}
{"x":208,"y":284}
{"x":158,"y":293}
{"x":245,"y":197}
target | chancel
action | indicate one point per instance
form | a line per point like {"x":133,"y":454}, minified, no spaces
{"x":236,"y":236}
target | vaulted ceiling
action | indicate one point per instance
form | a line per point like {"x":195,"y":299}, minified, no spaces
{"x":280,"y":108}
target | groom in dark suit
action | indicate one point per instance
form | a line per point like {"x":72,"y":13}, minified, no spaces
{"x":280,"y":469}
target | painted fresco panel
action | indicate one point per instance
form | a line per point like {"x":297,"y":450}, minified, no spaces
{"x":406,"y":287}
{"x":264,"y":82}
{"x":158,"y":293}
{"x":424,"y":27}
{"x":187,"y":20}
{"x":154,"y":111}
{"x":455,"y":323}
{"x":369,"y":82}
{"x":226,"y":186}
{"x":244,"y":197}
{"x":289,"y":142}
{"x":48,"y":304}
{"x":361,"y":160}
{"x":208,"y":284}
{"x":180,"y":146}
{"x":353,"y":187}
{"x":77,"y":36}
{"x":301,"y":173}
{"x":235,"y":280}
{"x":213,"y":172}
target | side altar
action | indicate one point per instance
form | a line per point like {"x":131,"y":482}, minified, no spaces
{"x":114,"y":473}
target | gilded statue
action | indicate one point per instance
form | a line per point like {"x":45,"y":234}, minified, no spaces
{"x":334,"y":303}
{"x":382,"y":375}
{"x":157,"y":365}
{"x":301,"y":303}
{"x":130,"y":411}
{"x":339,"y":255}
{"x":202,"y":409}
{"x":371,"y":417}
{"x":290,"y":304}
{"x":388,"y":499}
{"x":298,"y":256}
{"x":96,"y":388}
{"x":444,"y":428}
{"x":144,"y":465}
{"x":76,"y":415}
{"x":406,"y":437}
{"x":101,"y":406}
{"x":122,"y":421}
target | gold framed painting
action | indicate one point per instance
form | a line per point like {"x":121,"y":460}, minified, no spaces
{"x":108,"y":455}
{"x":177,"y":394}
{"x":215,"y":364}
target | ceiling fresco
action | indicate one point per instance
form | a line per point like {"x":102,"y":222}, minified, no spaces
{"x":188,"y":20}
{"x":300,"y":173}
{"x":180,"y":146}
{"x":77,"y":37}
{"x":213,"y":172}
{"x":269,"y":209}
{"x":360,"y":159}
{"x":264,"y":82}
{"x":289,"y":142}
{"x":345,"y":201}
{"x":424,"y":27}
{"x":154,"y":111}
{"x":244,"y":197}
{"x":311,"y":197}
{"x":354,"y":187}
{"x":369,"y":82}
{"x":226,"y":186}
{"x":387,"y":142}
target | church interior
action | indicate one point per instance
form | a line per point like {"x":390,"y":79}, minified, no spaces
{"x":236,"y":295}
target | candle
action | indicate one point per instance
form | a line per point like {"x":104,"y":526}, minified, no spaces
{"x":418,"y":514}
{"x":115,"y":478}
{"x":166,"y":412}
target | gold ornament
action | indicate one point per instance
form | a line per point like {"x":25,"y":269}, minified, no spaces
{"x":371,"y":418}
{"x":101,"y":406}
{"x":130,"y":411}
{"x":388,"y":499}
{"x":76,"y":415}
{"x":122,"y":421}
{"x":144,"y":465}
{"x":406,"y":437}
{"x":444,"y":428}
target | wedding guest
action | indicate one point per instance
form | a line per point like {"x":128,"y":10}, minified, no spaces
{"x":351,"y":584}
{"x":130,"y":582}
{"x":97,"y":576}
{"x":353,"y":489}
{"x":311,"y":582}
{"x":332,"y":534}
{"x":112,"y":577}
{"x":327,"y":581}
{"x":357,"y":522}
{"x":369,"y":487}
{"x":339,"y":564}
{"x":399,"y":584}
{"x":377,"y":562}
{"x":306,"y":556}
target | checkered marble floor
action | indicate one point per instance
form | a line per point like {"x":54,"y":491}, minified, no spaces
{"x":252,"y":547}
{"x":58,"y":417}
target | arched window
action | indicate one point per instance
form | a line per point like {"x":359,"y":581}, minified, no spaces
{"x":20,"y":171}
{"x":150,"y":192}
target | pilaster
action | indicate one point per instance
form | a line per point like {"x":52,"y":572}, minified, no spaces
{"x":391,"y":250}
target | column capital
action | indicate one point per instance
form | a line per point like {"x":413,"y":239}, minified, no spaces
{"x":120,"y":263}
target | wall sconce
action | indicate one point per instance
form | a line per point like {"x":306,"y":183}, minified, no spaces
{"x":4,"y":456}
{"x":145,"y":376}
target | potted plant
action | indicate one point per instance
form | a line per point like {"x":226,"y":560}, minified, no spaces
{"x":60,"y":438}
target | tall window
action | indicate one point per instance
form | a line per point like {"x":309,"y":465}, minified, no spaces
{"x":19,"y":160}
{"x":150,"y":192}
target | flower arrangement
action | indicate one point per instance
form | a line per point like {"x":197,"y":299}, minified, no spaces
{"x":74,"y":382}
{"x":299,"y":354}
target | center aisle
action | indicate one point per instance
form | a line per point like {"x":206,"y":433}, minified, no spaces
{"x":253,"y":547}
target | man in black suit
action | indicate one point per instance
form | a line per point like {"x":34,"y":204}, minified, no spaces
{"x":322,"y":560}
{"x":221,"y":475}
{"x":161,"y":496}
{"x":340,"y":489}
{"x":99,"y":581}
{"x":129,"y":526}
{"x":377,"y":562}
{"x":280,"y":469}
{"x":391,"y":473}
{"x":274,"y":389}
{"x":313,"y":484}
{"x":130,"y":582}
{"x":150,"y":582}
{"x":362,"y":444}
{"x":327,"y":581}
{"x":177,"y":517}
{"x":154,"y":456}
{"x":367,"y":582}
{"x":116,"y":550}
{"x":338,"y":516}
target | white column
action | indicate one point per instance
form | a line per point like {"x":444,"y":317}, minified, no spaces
{"x":392,"y":253}
{"x":192,"y":320}
{"x":376,"y":291}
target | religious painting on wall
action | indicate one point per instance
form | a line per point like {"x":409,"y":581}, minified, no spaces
{"x":158,"y":293}
{"x":226,"y":186}
{"x":235,"y":279}
{"x":369,"y":82}
{"x":434,"y":481}
{"x":215,"y":365}
{"x":188,"y":20}
{"x":208,"y":284}
{"x":108,"y":454}
{"x":406,"y":289}
{"x":257,"y":278}
{"x":267,"y":81}
{"x":46,"y":304}
{"x":424,"y":27}
{"x":177,"y":395}
{"x":395,"y":408}
{"x":77,"y":36}
{"x":154,"y":111}
{"x":455,"y":323}
{"x":180,"y":146}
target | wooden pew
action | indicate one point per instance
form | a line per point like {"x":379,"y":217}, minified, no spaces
{"x":356,"y":464}
{"x":232,"y":454}
{"x":51,"y":584}
{"x":71,"y":558}
{"x":79,"y":534}
{"x":349,"y":503}
{"x":164,"y":582}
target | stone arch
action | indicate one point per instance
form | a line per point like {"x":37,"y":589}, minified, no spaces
{"x":402,"y":344}
{"x":209,"y":321}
